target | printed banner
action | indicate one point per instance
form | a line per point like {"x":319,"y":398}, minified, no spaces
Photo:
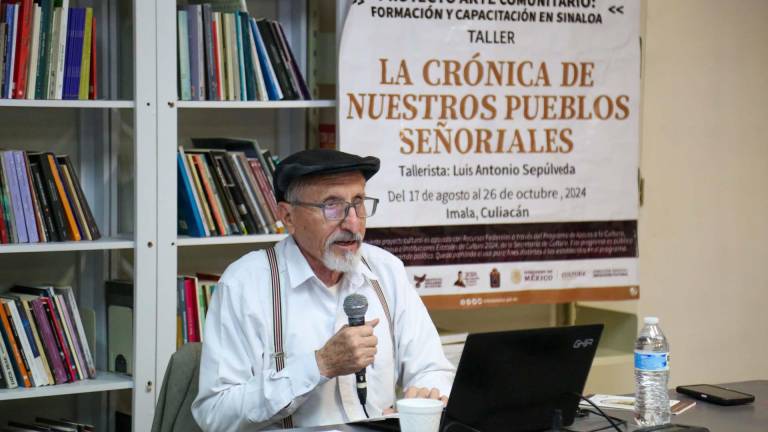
{"x":508,"y":137}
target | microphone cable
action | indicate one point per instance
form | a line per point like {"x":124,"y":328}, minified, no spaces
{"x":602,"y":414}
{"x":365,"y":411}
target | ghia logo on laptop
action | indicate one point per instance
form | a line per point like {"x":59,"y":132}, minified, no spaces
{"x":583,"y":343}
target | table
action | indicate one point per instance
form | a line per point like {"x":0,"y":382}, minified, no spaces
{"x":742,"y":418}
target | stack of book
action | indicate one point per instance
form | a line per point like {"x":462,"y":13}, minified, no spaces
{"x":43,"y":340}
{"x":41,"y":200}
{"x":194,"y":296}
{"x":47,"y":50}
{"x":225,"y":188}
{"x":233,"y":56}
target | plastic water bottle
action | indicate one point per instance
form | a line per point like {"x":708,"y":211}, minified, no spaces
{"x":651,"y":375}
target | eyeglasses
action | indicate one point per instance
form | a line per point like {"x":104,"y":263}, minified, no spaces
{"x":335,"y":210}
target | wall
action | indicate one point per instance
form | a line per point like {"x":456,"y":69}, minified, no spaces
{"x":703,"y":231}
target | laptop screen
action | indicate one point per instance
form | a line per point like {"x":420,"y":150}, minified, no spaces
{"x":514,"y":381}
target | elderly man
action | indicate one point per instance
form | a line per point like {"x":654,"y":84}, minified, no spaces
{"x":278,"y":351}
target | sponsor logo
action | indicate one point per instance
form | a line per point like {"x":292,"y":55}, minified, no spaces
{"x":572,"y":274}
{"x":583,"y":343}
{"x":611,"y":272}
{"x":538,"y":275}
{"x":517,"y":276}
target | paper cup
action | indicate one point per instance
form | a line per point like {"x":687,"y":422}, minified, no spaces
{"x":419,"y":415}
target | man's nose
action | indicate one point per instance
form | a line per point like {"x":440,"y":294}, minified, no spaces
{"x":351,"y":219}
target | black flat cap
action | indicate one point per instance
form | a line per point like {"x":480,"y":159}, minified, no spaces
{"x":318,"y":162}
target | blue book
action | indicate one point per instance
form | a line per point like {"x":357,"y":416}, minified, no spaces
{"x":74,"y":53}
{"x":9,"y":166}
{"x":26,"y":196}
{"x":68,"y":47}
{"x":270,"y":79}
{"x":188,"y":214}
{"x":240,"y":59}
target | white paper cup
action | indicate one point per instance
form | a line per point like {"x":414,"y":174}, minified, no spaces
{"x":419,"y":415}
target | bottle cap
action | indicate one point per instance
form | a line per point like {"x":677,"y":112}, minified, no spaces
{"x":651,"y":320}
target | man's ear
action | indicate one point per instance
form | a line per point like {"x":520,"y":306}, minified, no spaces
{"x":285,"y":214}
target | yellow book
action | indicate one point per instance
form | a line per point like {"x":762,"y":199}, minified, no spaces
{"x":85,"y":60}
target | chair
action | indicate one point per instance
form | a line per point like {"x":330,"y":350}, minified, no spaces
{"x":174,"y":406}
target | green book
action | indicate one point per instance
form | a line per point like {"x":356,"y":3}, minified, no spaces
{"x":46,"y":33}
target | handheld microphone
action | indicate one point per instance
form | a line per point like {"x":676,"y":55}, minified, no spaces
{"x":355,"y":306}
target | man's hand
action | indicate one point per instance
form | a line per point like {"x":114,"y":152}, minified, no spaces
{"x":419,"y":392}
{"x":425,"y":393}
{"x":348,"y":351}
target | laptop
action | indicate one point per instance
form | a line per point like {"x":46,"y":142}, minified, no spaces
{"x":516,"y":381}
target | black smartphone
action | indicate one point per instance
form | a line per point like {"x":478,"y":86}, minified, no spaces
{"x":716,"y":394}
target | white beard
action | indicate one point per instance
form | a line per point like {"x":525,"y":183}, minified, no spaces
{"x":347,"y":261}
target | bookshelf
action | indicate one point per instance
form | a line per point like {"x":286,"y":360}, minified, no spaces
{"x":280,"y":126}
{"x":112,"y":142}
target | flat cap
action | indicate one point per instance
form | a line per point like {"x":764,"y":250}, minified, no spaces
{"x":319,"y":162}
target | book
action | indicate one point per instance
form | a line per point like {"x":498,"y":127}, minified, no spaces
{"x":627,"y":403}
{"x":183,"y":43}
{"x":119,"y":298}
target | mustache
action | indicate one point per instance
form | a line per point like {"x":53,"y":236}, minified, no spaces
{"x":344,"y":236}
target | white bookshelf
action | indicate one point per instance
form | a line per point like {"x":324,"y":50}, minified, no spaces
{"x":104,"y":381}
{"x":104,"y":244}
{"x":281,"y":124}
{"x":257,"y":105}
{"x":30,"y":103}
{"x":96,"y":133}
{"x":229,"y":240}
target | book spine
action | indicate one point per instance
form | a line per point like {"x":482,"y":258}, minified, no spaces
{"x":252,"y":192}
{"x":69,"y":299}
{"x":183,"y":36}
{"x":189,"y":301}
{"x":303,"y":88}
{"x":19,"y":369}
{"x":53,"y":55}
{"x":90,"y":221}
{"x":85,"y":58}
{"x":61,"y":342}
{"x":17,"y":330}
{"x":240,"y":57}
{"x":5,"y":203}
{"x":181,"y":310}
{"x":38,"y":342}
{"x":46,"y":19}
{"x":211,"y":198}
{"x":3,"y":219}
{"x":22,"y":48}
{"x":34,"y":355}
{"x":273,"y":51}
{"x":12,"y":17}
{"x":266,"y":190}
{"x":37,"y":206}
{"x":6,"y":367}
{"x":92,"y":82}
{"x":188,"y":211}
{"x":49,"y":186}
{"x":210,"y":72}
{"x":62,"y":49}
{"x":236,"y":191}
{"x":200,"y":194}
{"x":49,"y":342}
{"x":30,"y":222}
{"x":74,"y":199}
{"x":69,"y":334}
{"x":223,"y":187}
{"x":267,"y":68}
{"x":9,"y":166}
{"x":34,"y":53}
{"x":218,"y":62}
{"x":72,"y":230}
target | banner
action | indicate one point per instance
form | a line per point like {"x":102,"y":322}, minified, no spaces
{"x":508,"y":137}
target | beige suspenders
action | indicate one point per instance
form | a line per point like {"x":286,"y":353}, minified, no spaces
{"x":277,"y":317}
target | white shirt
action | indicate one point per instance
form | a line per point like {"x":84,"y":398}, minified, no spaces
{"x":239,"y":387}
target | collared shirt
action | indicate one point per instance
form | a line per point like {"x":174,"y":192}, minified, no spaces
{"x":239,"y":386}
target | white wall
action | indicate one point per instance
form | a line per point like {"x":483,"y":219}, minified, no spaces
{"x":704,"y":225}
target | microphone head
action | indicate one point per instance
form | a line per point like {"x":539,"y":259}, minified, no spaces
{"x":355,"y":306}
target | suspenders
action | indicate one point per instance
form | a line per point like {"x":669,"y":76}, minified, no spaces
{"x":277,"y":316}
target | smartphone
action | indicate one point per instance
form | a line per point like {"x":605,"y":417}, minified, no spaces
{"x":716,"y":394}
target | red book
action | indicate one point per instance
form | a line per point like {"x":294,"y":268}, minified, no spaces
{"x":92,"y":92}
{"x":190,"y":302}
{"x":64,"y":353}
{"x":216,"y":56}
{"x":22,"y":49}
